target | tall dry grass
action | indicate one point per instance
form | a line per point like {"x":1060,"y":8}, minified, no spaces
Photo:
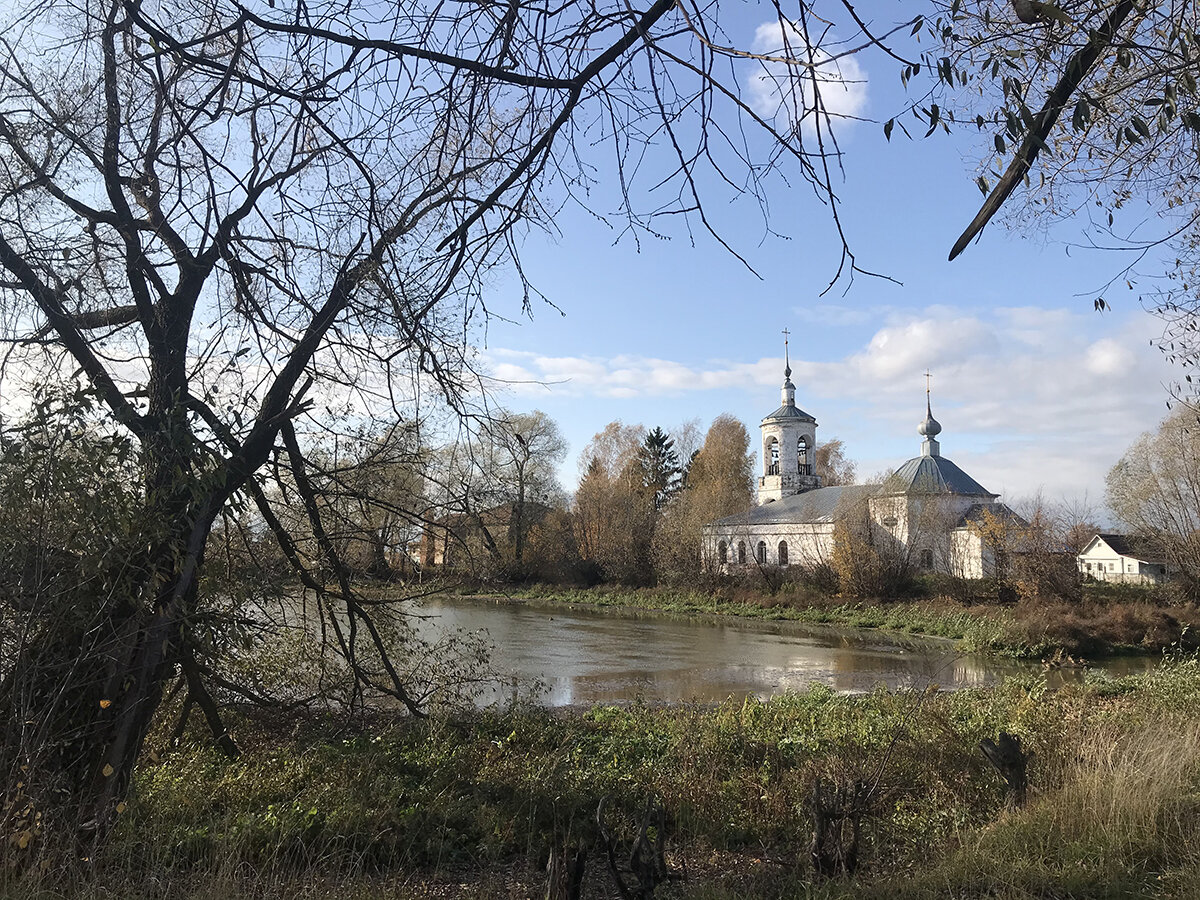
{"x":1121,"y":818}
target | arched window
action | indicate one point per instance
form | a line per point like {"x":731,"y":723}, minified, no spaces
{"x":761,"y":553}
{"x":741,"y":553}
{"x":802,"y":456}
{"x":773,"y":457}
{"x":926,"y":559}
{"x":723,"y":552}
{"x":783,"y":553}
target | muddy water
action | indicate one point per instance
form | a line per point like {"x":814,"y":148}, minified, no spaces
{"x":582,"y":656}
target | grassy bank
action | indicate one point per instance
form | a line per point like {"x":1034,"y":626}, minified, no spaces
{"x":978,"y":629}
{"x":1104,"y":623}
{"x":468,"y":807}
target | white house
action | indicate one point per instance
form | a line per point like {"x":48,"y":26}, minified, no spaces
{"x":928,"y":509}
{"x":1119,"y":557}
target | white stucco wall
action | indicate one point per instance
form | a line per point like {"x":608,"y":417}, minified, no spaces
{"x":958,"y":551}
{"x":968,"y":558}
{"x":807,"y":545}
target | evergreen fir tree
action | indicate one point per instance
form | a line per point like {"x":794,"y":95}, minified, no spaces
{"x":661,"y":471}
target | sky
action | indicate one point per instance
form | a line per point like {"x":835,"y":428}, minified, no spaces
{"x":1036,"y":391}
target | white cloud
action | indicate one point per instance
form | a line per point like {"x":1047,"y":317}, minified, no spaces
{"x":900,"y":349}
{"x":783,"y":87}
{"x":1028,"y":398}
{"x":620,"y":376}
{"x":1107,"y":357}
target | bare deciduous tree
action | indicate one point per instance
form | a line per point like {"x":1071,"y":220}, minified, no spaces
{"x":497,"y":484}
{"x":1154,"y":489}
{"x":228,"y":218}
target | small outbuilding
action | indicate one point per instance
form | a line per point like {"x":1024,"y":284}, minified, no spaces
{"x":1122,"y":558}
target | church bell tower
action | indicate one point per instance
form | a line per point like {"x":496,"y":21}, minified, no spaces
{"x":789,"y":443}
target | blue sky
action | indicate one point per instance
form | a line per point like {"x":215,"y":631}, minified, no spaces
{"x":1034,"y":389}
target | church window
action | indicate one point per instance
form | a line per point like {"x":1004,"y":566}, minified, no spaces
{"x":723,"y":552}
{"x":761,"y":554}
{"x":926,"y":559}
{"x":802,"y":456}
{"x":783,"y":559}
{"x":773,"y":457}
{"x":741,"y":553}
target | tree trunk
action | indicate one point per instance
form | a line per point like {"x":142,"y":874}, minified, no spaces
{"x":380,"y":567}
{"x":83,"y":695}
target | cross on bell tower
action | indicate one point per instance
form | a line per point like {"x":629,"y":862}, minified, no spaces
{"x":788,"y":393}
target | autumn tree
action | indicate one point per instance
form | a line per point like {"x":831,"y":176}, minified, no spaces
{"x":589,"y":511}
{"x":720,"y":483}
{"x":832,"y":465}
{"x":614,"y":511}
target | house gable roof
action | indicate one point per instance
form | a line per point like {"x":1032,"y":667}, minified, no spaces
{"x":1125,"y":545}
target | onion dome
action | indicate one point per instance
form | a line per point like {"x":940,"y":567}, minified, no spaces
{"x":931,"y":427}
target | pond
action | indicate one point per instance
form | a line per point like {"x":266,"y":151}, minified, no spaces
{"x":584,"y":656}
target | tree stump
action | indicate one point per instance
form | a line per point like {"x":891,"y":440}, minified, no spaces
{"x":566,"y":868}
{"x":837,"y":813}
{"x":1007,"y":757}
{"x":645,"y":868}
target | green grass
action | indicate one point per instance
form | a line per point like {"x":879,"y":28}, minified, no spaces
{"x":468,"y":807}
{"x":1102,"y":623}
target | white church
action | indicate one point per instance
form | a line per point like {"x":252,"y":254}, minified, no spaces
{"x":928,"y":510}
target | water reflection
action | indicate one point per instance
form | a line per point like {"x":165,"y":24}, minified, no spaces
{"x":596,"y":657}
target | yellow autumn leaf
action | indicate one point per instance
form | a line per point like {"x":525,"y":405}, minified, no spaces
{"x":107,"y":770}
{"x":105,"y":704}
{"x":24,"y":839}
{"x":121,"y":807}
